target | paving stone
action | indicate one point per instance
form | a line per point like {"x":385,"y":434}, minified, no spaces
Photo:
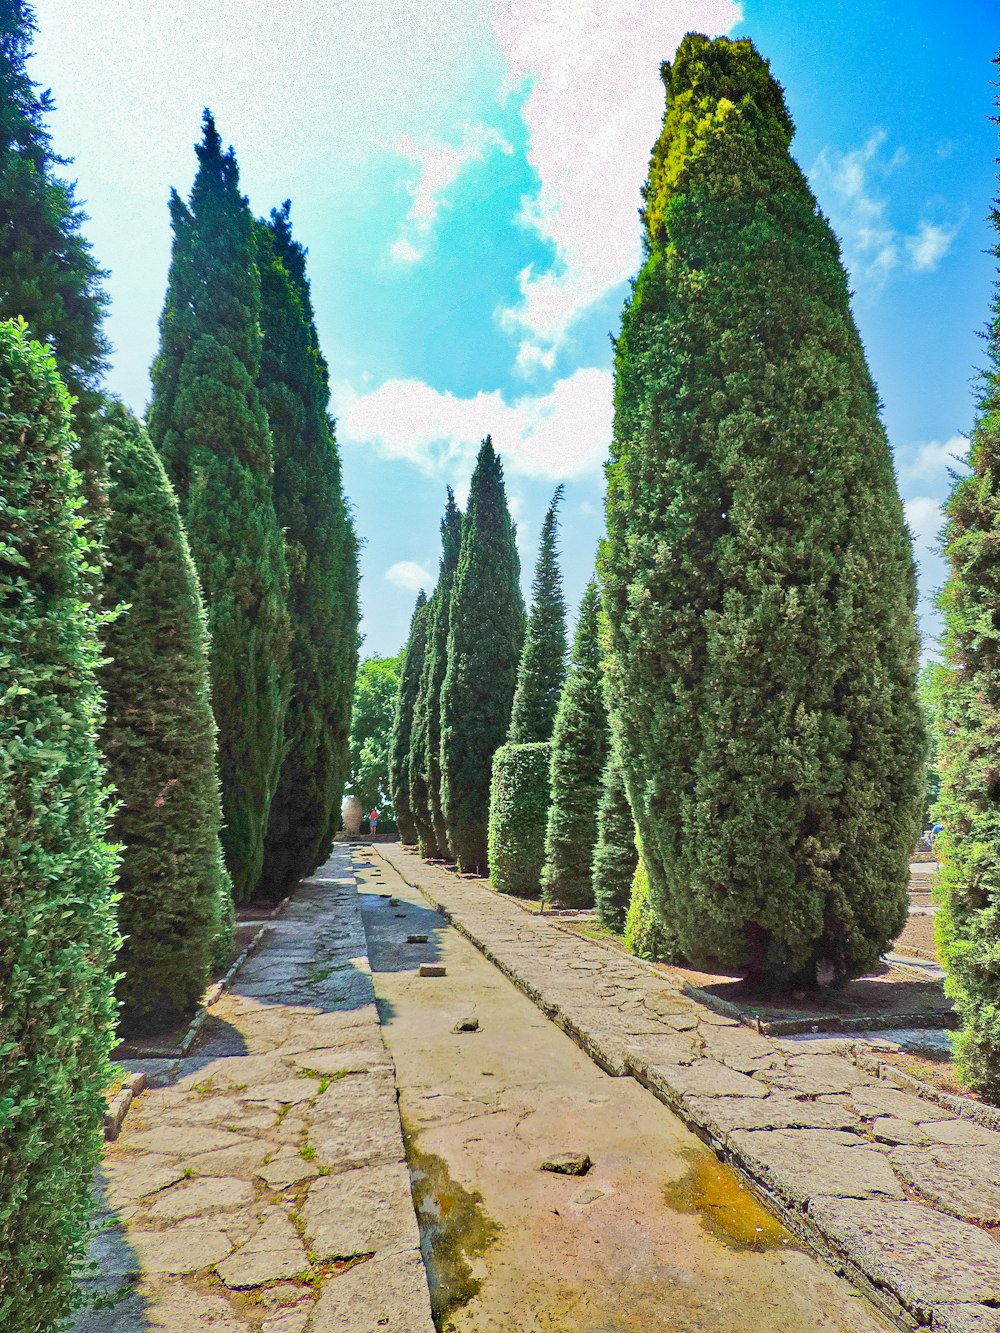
{"x":365,"y":1211}
{"x":183,"y":1249}
{"x":288,"y":1092}
{"x":814,"y":1074}
{"x":287,"y":1321}
{"x":272,"y":1252}
{"x":922,"y":1256}
{"x":887,"y":1130}
{"x":966,"y":1318}
{"x":179,"y":1141}
{"x":703,"y":1078}
{"x":883,"y":1099}
{"x":800,"y":1164}
{"x":288,"y":1169}
{"x":140,"y":1175}
{"x":964,"y":1132}
{"x":725,"y":1114}
{"x":964,"y":1183}
{"x":242,"y":1160}
{"x":192,"y":1198}
{"x":375,"y":1296}
{"x":180,"y":1309}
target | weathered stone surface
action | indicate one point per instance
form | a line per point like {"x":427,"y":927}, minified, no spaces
{"x":964,"y":1132}
{"x":703,"y":1078}
{"x":888,"y":1130}
{"x":193,"y":1198}
{"x":179,"y":1309}
{"x":366,"y":1211}
{"x":882,"y":1099}
{"x":966,"y":1318}
{"x":182,"y":1249}
{"x":272,"y":1252}
{"x":289,"y":1091}
{"x":433,"y":970}
{"x":962,"y":1182}
{"x":810,"y":1075}
{"x":800,"y":1164}
{"x":725,"y":1114}
{"x":568,"y":1163}
{"x":291,"y":1168}
{"x":374,"y":1296}
{"x":181,"y":1141}
{"x":924,"y":1257}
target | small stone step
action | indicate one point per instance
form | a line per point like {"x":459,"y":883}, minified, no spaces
{"x":416,"y":939}
{"x":433,"y":970}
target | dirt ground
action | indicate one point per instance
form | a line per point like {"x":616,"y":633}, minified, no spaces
{"x":657,"y":1235}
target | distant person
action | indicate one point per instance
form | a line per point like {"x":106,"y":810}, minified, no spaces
{"x":373,"y":822}
{"x":938,"y":828}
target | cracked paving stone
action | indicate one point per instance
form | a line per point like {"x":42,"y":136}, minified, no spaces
{"x":965,"y":1184}
{"x":802,"y":1164}
{"x":272,"y":1252}
{"x":703,"y":1078}
{"x":887,"y":1130}
{"x":182,"y":1249}
{"x":966,"y":1318}
{"x":192,"y":1198}
{"x":726,"y":1114}
{"x":962,"y":1132}
{"x":883,"y":1099}
{"x":365,"y":1211}
{"x":368,"y":1298}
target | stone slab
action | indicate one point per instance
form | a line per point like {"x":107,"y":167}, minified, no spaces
{"x":723,"y":1115}
{"x":966,"y":1318}
{"x":374,"y":1296}
{"x":801,"y":1164}
{"x":963,"y":1183}
{"x":181,"y":1249}
{"x":365,"y":1211}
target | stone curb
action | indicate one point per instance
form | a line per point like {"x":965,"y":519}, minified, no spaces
{"x":118,"y":1108}
{"x":919,"y":1264}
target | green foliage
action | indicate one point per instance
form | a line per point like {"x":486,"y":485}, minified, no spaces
{"x":376,"y":690}
{"x":57,"y":937}
{"x":967,"y":924}
{"x":757,"y":572}
{"x":519,"y":803}
{"x":645,"y":934}
{"x":615,"y":855}
{"x":425,"y":742}
{"x":176,"y":909}
{"x":485,"y":635}
{"x":47,"y":272}
{"x":933,"y":683}
{"x":210,"y":427}
{"x":322,"y":559}
{"x":542,"y":670}
{"x":402,"y":725}
{"x":580,"y":741}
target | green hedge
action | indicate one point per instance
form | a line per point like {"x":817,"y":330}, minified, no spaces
{"x":57,"y":936}
{"x":519,"y":804}
{"x":615,"y":855}
{"x":645,"y":935}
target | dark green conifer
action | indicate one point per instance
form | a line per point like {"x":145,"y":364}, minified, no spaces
{"x":519,"y":807}
{"x":485,"y":636}
{"x":542,"y":670}
{"x":48,"y":275}
{"x":57,"y":937}
{"x":176,"y":906}
{"x":615,"y":855}
{"x":758,"y":574}
{"x":321,"y":553}
{"x":402,"y":727}
{"x":967,"y":695}
{"x":580,"y":741}
{"x":209,"y":425}
{"x":425,"y":743}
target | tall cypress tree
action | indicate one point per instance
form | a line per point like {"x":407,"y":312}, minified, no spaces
{"x":321,"y":552}
{"x":485,"y":636}
{"x":402,"y":727}
{"x":176,"y":904}
{"x":758,"y":574}
{"x":48,"y":275}
{"x":967,"y":924}
{"x":580,"y":741}
{"x":542,"y":669}
{"x":615,"y":854}
{"x":57,"y":936}
{"x":209,"y":425}
{"x":425,"y":743}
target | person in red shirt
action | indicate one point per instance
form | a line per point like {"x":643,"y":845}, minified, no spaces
{"x":373,"y":821}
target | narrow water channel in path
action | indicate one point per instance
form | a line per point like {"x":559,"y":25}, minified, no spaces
{"x":656,"y":1236}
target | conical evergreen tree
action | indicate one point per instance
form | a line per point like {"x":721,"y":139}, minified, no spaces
{"x":580,"y":741}
{"x":758,"y":573}
{"x":485,"y":636}
{"x":615,"y":855}
{"x":967,"y":924}
{"x":57,"y":937}
{"x":321,"y":552}
{"x":542,"y":670}
{"x":176,"y":907}
{"x":208,"y":423}
{"x":48,"y":275}
{"x":402,"y":727}
{"x":425,"y":743}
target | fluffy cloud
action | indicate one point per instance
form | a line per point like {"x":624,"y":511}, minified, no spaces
{"x":924,"y":516}
{"x":437,"y":167}
{"x":592,"y":112}
{"x":933,"y":460}
{"x":409,"y":575}
{"x":849,"y":186}
{"x":560,"y":434}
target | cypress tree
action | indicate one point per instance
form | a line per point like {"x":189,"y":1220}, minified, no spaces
{"x":57,"y":937}
{"x":425,"y":744}
{"x":967,"y":924}
{"x":176,"y":908}
{"x":48,"y":275}
{"x":321,"y":553}
{"x":519,"y":805}
{"x":402,"y":727}
{"x":615,"y":855}
{"x":485,"y":636}
{"x":542,"y":670}
{"x":209,"y":425}
{"x":580,"y":741}
{"x":758,"y":574}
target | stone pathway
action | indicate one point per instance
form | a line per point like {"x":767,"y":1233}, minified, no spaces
{"x":894,"y":1190}
{"x":265,"y":1189}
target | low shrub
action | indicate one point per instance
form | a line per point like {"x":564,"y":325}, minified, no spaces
{"x":519,"y":803}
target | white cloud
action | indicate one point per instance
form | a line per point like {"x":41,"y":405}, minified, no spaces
{"x":932,"y":460}
{"x":924,"y":516}
{"x":849,"y":187}
{"x":592,"y":112}
{"x":438,"y":166}
{"x":563,"y":433}
{"x":409,"y":575}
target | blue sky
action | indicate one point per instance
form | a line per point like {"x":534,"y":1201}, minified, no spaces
{"x":466,"y":177}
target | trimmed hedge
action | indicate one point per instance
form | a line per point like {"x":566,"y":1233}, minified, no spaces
{"x":519,"y":803}
{"x":57,"y":933}
{"x":645,"y":934}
